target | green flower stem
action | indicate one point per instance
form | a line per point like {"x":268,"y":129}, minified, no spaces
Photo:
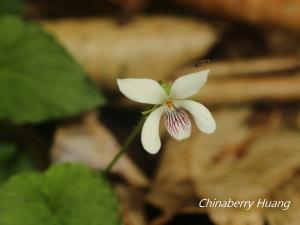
{"x":136,"y":130}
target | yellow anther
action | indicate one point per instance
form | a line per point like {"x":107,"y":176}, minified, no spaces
{"x":170,"y":104}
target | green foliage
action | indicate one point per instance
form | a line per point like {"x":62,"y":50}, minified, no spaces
{"x":13,"y":160}
{"x":11,"y":6}
{"x":38,"y":78}
{"x":64,"y":195}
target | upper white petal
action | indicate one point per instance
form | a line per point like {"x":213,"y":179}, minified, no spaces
{"x":203,"y":118}
{"x":150,"y":132}
{"x":188,"y":85}
{"x":142,"y":90}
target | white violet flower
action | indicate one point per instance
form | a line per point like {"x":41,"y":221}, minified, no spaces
{"x":171,"y":103}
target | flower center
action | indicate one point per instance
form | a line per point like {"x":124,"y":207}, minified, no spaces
{"x":170,"y":104}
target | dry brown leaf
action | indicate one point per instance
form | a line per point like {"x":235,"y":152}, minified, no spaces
{"x":264,"y":12}
{"x":275,"y":157}
{"x":297,"y":120}
{"x":172,"y":185}
{"x":270,"y":157}
{"x":131,"y":6}
{"x":89,"y":142}
{"x":270,"y":161}
{"x":131,"y":205}
{"x":149,"y":47}
{"x":283,"y":88}
{"x":286,"y":192}
{"x":122,"y":9}
{"x":247,"y":67}
{"x":285,"y":147}
{"x":228,"y":216}
{"x":282,"y":42}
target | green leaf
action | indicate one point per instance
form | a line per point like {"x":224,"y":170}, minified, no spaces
{"x":64,"y":195}
{"x":11,"y":6}
{"x":13,"y":160}
{"x":39,"y":80}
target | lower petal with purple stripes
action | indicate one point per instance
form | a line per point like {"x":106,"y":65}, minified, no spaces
{"x":178,"y":123}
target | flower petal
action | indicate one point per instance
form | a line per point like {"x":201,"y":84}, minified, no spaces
{"x":204,"y":120}
{"x":178,"y":123}
{"x":188,"y":85}
{"x":142,"y":90}
{"x":150,"y":132}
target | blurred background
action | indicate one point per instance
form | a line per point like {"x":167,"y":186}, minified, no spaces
{"x":252,"y":48}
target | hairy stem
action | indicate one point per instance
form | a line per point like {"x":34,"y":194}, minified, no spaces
{"x":136,"y":130}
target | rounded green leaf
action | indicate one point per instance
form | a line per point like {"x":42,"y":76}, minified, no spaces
{"x":13,"y":160}
{"x":11,"y":6}
{"x":64,"y":195}
{"x":39,"y":80}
